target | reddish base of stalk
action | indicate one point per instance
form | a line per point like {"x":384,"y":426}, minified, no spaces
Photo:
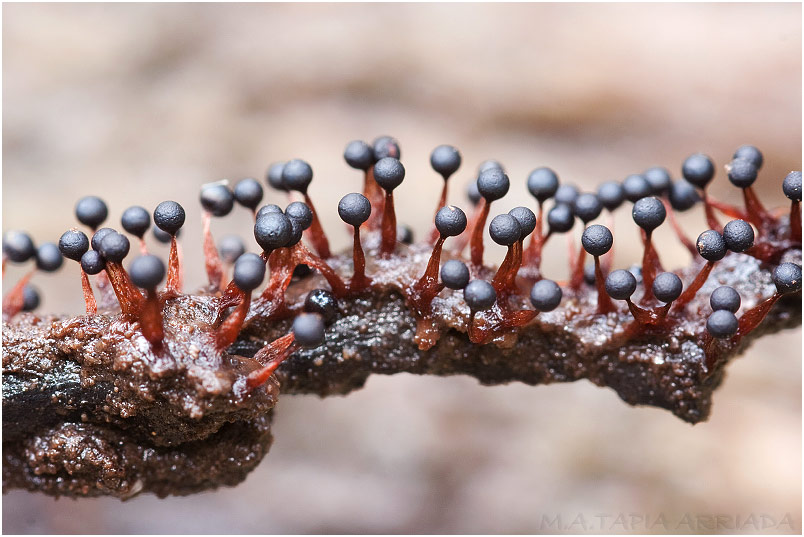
{"x":795,"y":222}
{"x":534,"y":249}
{"x":15,"y":299}
{"x":173,"y":284}
{"x":374,"y":193}
{"x":576,"y":276}
{"x":751,"y":318}
{"x":434,"y":234}
{"x":504,"y":281}
{"x":89,"y":296}
{"x":650,"y":266}
{"x":755,"y":211}
{"x":388,"y":231}
{"x":359,"y":281}
{"x":499,"y":321}
{"x":604,"y":303}
{"x":128,"y":295}
{"x":463,"y":239}
{"x":682,"y":237}
{"x":230,"y":328}
{"x":143,"y":247}
{"x":697,"y":283}
{"x":315,"y":233}
{"x":476,"y":240}
{"x":711,"y":219}
{"x":272,"y":355}
{"x":151,"y":318}
{"x":427,"y":287}
{"x":729,"y":210}
{"x":212,"y":260}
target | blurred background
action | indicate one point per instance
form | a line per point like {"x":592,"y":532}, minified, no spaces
{"x":142,"y":103}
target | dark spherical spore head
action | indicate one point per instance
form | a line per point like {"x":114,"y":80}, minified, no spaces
{"x":489,"y":164}
{"x":560,"y":218}
{"x":751,"y":154}
{"x":274,"y":176}
{"x":72,"y":244}
{"x":98,"y":236}
{"x":359,"y":155}
{"x":19,"y":247}
{"x":301,"y":271}
{"x":597,"y":240}
{"x":711,"y":246}
{"x":297,"y":175}
{"x":479,"y":295}
{"x":404,"y":234}
{"x":92,"y":262}
{"x":296,"y":233}
{"x":649,"y":213}
{"x":309,"y":330}
{"x":667,"y":287}
{"x":545,"y":295}
{"x":742,"y":173}
{"x":354,"y":209}
{"x":683,"y":195}
{"x":272,"y":231}
{"x":455,"y":274}
{"x":231,"y":247}
{"x":91,"y":211}
{"x":389,"y":173}
{"x":450,"y":221}
{"x":587,"y":207}
{"x":162,"y":236}
{"x":566,"y":194}
{"x":636,"y":271}
{"x":493,"y":184}
{"x":217,"y":199}
{"x":301,"y":212}
{"x":725,"y":298}
{"x":739,"y":235}
{"x":147,"y":271}
{"x":636,"y":187}
{"x":169,"y":217}
{"x":114,"y":247}
{"x":473,"y":193}
{"x":611,"y":195}
{"x":270,"y":208}
{"x":136,"y":220}
{"x":48,"y":257}
{"x":504,"y":229}
{"x":792,"y":186}
{"x":385,"y":146}
{"x":620,"y":284}
{"x":248,"y":193}
{"x":589,"y":273}
{"x":542,"y":184}
{"x":30,"y":298}
{"x":722,"y":324}
{"x":445,"y":159}
{"x":659,"y":180}
{"x":787,"y":278}
{"x":698,"y":169}
{"x":249,"y":271}
{"x":526,"y":219}
{"x":323,"y":303}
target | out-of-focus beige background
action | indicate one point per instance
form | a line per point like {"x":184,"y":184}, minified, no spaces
{"x":141,"y":103}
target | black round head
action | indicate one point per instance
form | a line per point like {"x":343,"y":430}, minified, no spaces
{"x":114,"y":247}
{"x":274,"y":176}
{"x":48,"y":257}
{"x":92,"y":262}
{"x":136,"y":220}
{"x":296,"y":233}
{"x":787,"y":278}
{"x":504,"y":229}
{"x":479,"y":295}
{"x":587,"y":207}
{"x":711,"y":246}
{"x":566,"y":194}
{"x":147,"y":271}
{"x":270,"y":208}
{"x":249,"y":271}
{"x":636,"y":187}
{"x":698,"y":169}
{"x":597,"y":240}
{"x":611,"y":195}
{"x":526,"y":220}
{"x":545,"y":295}
{"x":322,"y":302}
{"x":620,"y":284}
{"x":272,"y":231}
{"x":725,"y":298}
{"x":297,"y":175}
{"x":489,"y":164}
{"x":301,"y":271}
{"x":473,"y":193}
{"x":354,"y":209}
{"x":751,"y":154}
{"x":386,"y":146}
{"x":308,"y":330}
{"x":792,"y":186}
{"x":659,"y":180}
{"x":169,"y":217}
{"x":248,"y":193}
{"x":404,"y":234}
{"x":722,"y":324}
{"x":19,"y":247}
{"x":300,"y":212}
{"x":589,"y":273}
{"x":454,"y":274}
{"x":649,"y":213}
{"x":739,"y":235}
{"x":98,"y":236}
{"x":560,"y":218}
{"x":683,"y":195}
{"x":667,"y":287}
{"x":450,"y":221}
{"x":742,"y":173}
{"x":445,"y":160}
{"x":217,"y":199}
{"x":359,"y":155}
{"x":231,"y":247}
{"x":389,"y":173}
{"x":493,"y":184}
{"x":542,"y":184}
{"x":72,"y":244}
{"x":91,"y":211}
{"x":30,"y":298}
